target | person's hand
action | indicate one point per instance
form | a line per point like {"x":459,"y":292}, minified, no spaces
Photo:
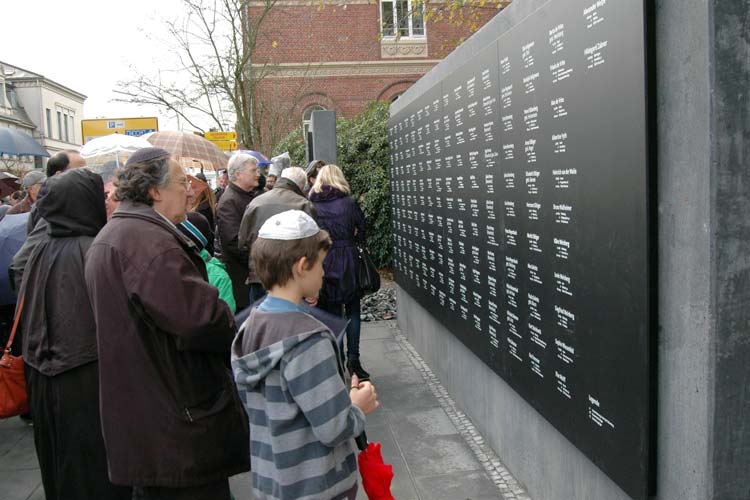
{"x":313,"y":301}
{"x":363,"y":395}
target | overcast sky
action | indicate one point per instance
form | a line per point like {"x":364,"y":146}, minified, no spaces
{"x":88,"y":45}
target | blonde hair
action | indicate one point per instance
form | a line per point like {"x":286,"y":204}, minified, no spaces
{"x":331,"y":175}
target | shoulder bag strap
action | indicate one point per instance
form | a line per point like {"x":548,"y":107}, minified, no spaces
{"x":15,"y":324}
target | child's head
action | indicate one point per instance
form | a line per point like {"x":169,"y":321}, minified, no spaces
{"x":290,"y":249}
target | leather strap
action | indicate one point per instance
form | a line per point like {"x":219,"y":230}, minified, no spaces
{"x":15,"y":324}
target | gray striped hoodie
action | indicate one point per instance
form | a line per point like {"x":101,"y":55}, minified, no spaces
{"x":302,"y":422}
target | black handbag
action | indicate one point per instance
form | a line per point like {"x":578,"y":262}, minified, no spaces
{"x":367,"y":274}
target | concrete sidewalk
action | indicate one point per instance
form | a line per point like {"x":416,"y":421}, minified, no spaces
{"x":435,"y":451}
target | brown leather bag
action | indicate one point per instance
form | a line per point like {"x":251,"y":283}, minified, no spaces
{"x":13,"y":398}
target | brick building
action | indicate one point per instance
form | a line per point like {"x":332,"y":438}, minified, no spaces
{"x":341,"y":55}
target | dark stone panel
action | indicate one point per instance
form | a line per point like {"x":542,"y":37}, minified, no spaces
{"x":731,"y":163}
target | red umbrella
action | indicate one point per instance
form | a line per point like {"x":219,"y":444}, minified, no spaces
{"x":376,"y":475}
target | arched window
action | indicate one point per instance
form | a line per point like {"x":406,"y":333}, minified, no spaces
{"x":307,"y":116}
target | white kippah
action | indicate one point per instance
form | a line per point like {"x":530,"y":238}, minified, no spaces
{"x":289,"y":225}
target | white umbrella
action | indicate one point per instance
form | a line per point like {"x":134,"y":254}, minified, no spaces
{"x":114,"y":148}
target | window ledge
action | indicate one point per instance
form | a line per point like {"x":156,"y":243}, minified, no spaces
{"x":394,"y":48}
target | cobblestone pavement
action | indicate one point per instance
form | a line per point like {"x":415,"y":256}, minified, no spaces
{"x":436,"y":452}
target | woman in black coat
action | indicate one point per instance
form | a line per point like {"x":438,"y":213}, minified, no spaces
{"x":340,"y":215}
{"x":59,"y":343}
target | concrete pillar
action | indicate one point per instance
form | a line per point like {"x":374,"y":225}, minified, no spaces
{"x":323,"y":134}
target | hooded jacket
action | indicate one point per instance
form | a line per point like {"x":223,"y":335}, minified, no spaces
{"x":170,"y":414}
{"x":289,"y":374}
{"x":340,"y":215}
{"x":60,"y":332}
{"x":285,"y":195}
{"x":218,"y":277}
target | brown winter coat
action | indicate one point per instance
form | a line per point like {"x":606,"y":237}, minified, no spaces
{"x":170,"y":413}
{"x":228,"y":219}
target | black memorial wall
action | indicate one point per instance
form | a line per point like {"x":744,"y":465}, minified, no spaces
{"x":520,"y":195}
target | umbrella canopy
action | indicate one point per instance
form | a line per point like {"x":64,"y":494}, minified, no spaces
{"x":376,"y":475}
{"x":188,"y":145}
{"x":115,"y":148}
{"x":16,"y":143}
{"x":262,"y":160}
{"x":9,"y":184}
{"x":12,"y":237}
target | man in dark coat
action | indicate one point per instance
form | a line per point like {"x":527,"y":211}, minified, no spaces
{"x":286,"y":195}
{"x":59,"y":343}
{"x":243,"y":181}
{"x":222,"y":180}
{"x":32,"y":183}
{"x":172,"y":423}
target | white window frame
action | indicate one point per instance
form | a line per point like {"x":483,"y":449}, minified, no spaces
{"x":395,"y":21}
{"x":50,"y":125}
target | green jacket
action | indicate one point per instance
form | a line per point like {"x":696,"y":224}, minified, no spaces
{"x":218,"y":277}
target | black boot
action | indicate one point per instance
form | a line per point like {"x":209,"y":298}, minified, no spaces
{"x":355,"y":368}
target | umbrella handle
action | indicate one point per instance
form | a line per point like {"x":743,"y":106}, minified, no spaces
{"x":361,"y":441}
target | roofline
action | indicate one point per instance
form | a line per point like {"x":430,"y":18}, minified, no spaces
{"x":3,"y":63}
{"x":40,"y":77}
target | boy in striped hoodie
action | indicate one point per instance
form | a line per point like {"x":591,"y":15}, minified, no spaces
{"x":288,"y":371}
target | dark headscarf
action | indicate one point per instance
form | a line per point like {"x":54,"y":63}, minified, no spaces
{"x":73,"y":204}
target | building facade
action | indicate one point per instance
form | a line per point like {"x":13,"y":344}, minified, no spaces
{"x":340,"y":56}
{"x":43,"y":108}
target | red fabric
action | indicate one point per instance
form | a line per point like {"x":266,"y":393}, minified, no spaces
{"x":376,"y":475}
{"x":13,"y":396}
{"x":13,"y":399}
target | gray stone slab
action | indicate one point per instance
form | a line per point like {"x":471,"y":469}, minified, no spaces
{"x":385,"y":357}
{"x":375,"y":330}
{"x":22,"y":456}
{"x":402,"y":397}
{"x":430,"y":443}
{"x":12,"y":430}
{"x":473,"y":485}
{"x":38,"y":494}
{"x":381,"y":416}
{"x":241,"y":486}
{"x":21,"y":484}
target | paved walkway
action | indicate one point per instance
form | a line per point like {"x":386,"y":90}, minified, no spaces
{"x":435,"y":451}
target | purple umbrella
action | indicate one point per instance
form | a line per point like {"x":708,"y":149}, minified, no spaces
{"x":262,"y":160}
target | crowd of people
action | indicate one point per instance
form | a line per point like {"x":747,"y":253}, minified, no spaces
{"x":175,"y":335}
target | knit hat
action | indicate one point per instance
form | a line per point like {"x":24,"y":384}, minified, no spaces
{"x":197,"y":228}
{"x":32,"y":178}
{"x":289,"y":225}
{"x":146,"y":154}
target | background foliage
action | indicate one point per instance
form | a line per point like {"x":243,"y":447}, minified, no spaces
{"x":364,"y":156}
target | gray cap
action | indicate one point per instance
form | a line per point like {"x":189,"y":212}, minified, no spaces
{"x":32,"y":178}
{"x":310,"y":169}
